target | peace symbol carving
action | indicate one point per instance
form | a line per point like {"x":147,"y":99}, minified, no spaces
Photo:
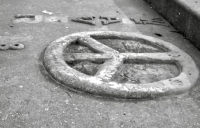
{"x":101,"y":83}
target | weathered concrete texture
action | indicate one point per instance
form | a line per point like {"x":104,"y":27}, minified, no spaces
{"x":183,"y":14}
{"x":29,"y":98}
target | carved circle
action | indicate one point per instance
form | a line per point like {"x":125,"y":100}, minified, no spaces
{"x":100,"y":83}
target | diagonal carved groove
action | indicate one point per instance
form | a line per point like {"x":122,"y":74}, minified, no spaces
{"x":95,"y":45}
{"x":109,"y":68}
{"x":69,"y":57}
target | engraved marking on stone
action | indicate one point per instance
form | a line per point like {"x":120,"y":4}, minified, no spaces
{"x":101,"y":81}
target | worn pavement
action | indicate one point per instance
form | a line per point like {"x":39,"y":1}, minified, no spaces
{"x":30,"y":98}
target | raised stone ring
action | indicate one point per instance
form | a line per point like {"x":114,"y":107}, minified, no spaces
{"x":101,"y":83}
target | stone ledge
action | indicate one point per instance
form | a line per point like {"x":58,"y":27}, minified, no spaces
{"x":183,"y":14}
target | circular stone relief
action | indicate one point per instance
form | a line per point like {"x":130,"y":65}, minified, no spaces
{"x":101,"y":83}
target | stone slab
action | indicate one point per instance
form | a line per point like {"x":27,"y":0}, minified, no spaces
{"x":183,"y":14}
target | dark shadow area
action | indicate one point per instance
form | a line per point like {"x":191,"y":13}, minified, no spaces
{"x":158,"y":34}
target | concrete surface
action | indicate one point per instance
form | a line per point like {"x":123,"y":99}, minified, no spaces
{"x":183,"y":14}
{"x":29,"y":98}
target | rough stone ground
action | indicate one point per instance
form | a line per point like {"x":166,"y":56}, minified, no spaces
{"x":30,"y":98}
